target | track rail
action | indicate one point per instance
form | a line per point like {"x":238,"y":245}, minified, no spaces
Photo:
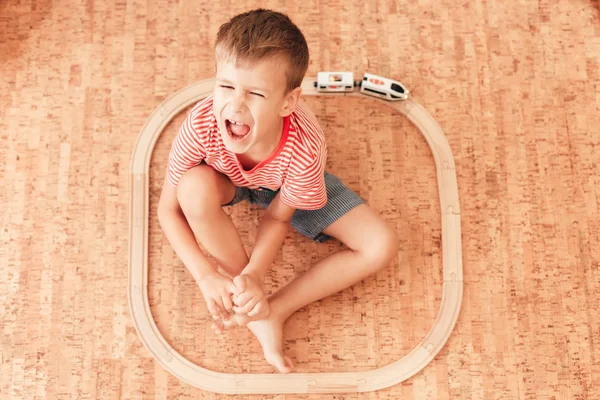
{"x":342,"y":382}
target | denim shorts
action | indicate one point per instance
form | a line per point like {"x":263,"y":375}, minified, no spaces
{"x":310,"y":223}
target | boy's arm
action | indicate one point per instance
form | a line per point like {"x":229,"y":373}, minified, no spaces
{"x":271,"y":235}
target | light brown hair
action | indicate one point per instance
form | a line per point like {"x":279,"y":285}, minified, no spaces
{"x":264,"y":35}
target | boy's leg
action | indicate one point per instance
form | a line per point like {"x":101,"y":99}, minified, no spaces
{"x":372,"y":245}
{"x":201,"y":193}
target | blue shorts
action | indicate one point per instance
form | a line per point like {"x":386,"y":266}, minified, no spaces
{"x":310,"y":223}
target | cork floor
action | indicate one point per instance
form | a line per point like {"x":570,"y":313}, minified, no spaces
{"x":514,"y":85}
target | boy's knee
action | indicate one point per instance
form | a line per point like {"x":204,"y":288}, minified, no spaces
{"x":197,"y":190}
{"x":382,"y":248}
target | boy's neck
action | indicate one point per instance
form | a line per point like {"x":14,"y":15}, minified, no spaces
{"x":264,"y":150}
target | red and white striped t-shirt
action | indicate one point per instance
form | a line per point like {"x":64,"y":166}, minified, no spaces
{"x":296,"y":166}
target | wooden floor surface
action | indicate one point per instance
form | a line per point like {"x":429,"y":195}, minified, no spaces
{"x":515,"y":85}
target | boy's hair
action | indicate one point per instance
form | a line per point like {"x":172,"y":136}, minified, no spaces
{"x":262,"y":35}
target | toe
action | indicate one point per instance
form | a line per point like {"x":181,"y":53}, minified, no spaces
{"x":289,"y":365}
{"x":217,"y":327}
{"x":229,"y":323}
{"x":282,"y":363}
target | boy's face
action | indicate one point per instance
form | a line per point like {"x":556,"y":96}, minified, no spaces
{"x":249,"y":103}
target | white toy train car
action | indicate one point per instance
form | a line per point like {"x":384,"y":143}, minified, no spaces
{"x":335,"y":82}
{"x":378,"y":86}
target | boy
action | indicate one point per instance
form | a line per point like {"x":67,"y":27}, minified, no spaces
{"x":255,"y":140}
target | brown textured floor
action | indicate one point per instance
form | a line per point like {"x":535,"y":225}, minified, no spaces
{"x":516,"y":87}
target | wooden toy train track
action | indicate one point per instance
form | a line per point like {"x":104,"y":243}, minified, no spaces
{"x":341,"y":382}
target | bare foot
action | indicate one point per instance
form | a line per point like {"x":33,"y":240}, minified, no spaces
{"x":220,"y":325}
{"x":234,"y":320}
{"x":269,"y":333}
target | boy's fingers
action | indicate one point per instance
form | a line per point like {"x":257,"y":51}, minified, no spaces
{"x":220,"y":308}
{"x":232,"y":289}
{"x":256,"y":310}
{"x":223,"y":312}
{"x":227,"y":304}
{"x":247,"y":307}
{"x":240,"y":283}
{"x":213,"y":309}
{"x":242,"y":299}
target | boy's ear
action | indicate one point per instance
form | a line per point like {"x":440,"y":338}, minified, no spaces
{"x":290,"y":101}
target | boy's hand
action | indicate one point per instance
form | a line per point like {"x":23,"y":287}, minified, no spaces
{"x":217,"y":290}
{"x":250,"y":298}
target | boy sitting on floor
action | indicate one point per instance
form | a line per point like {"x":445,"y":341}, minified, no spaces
{"x":255,"y":140}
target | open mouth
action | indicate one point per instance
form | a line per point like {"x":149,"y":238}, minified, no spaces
{"x":237,"y":131}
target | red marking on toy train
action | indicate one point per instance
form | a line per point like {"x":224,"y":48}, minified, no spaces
{"x":376,"y":81}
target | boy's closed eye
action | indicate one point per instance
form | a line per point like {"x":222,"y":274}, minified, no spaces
{"x":231,"y":87}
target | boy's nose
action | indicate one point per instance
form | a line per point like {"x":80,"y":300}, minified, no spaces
{"x":236,"y":105}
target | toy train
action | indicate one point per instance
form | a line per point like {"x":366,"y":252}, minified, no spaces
{"x":371,"y":85}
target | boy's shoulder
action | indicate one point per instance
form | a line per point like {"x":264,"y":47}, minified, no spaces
{"x":203,"y":108}
{"x":200,"y":120}
{"x":307,"y":128}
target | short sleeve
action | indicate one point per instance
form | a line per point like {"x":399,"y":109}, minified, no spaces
{"x":304,"y":187}
{"x":187,"y":150}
